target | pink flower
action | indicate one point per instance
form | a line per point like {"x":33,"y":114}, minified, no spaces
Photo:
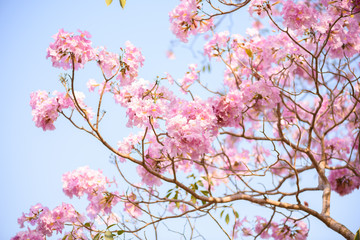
{"x":84,"y":180}
{"x":131,"y":207}
{"x":261,"y":95}
{"x":185,"y":21}
{"x":219,"y":40}
{"x":260,"y":226}
{"x":108,"y":62}
{"x":191,"y":128}
{"x":289,"y":230}
{"x":128,"y":143}
{"x":190,"y":77}
{"x":170,"y":55}
{"x":133,"y":60}
{"x":68,"y":46}
{"x":45,"y":109}
{"x":47,"y":221}
{"x":92,"y":84}
{"x":169,"y":78}
{"x":29,"y":235}
{"x":228,"y":109}
{"x":343,"y":181}
{"x":93,"y":183}
{"x":298,"y":15}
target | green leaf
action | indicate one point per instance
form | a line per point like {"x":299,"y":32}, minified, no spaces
{"x":97,"y":236}
{"x":227,"y":219}
{"x":120,"y":232}
{"x":193,"y":199}
{"x":206,"y":193}
{"x":236,"y":214}
{"x":122,"y":3}
{"x":87,"y":225}
{"x":357,"y":235}
{"x":108,"y":2}
{"x":111,"y":226}
{"x":222,"y":212}
{"x":108,"y":235}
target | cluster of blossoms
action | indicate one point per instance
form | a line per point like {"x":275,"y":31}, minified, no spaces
{"x":185,"y":20}
{"x":45,"y":109}
{"x":191,"y":128}
{"x":93,"y":183}
{"x":109,"y":62}
{"x":143,"y":101}
{"x":257,"y":96}
{"x":46,"y":221}
{"x":68,"y":46}
{"x":344,"y":181}
{"x":131,"y":207}
{"x":133,"y":60}
{"x":228,"y":109}
{"x":286,"y":229}
{"x":298,"y":15}
{"x":190,"y":77}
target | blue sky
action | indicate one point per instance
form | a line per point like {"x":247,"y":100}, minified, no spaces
{"x":33,"y":161}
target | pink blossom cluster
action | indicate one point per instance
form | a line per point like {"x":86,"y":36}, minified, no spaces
{"x":213,"y":47}
{"x":338,"y":147}
{"x":127,"y":93}
{"x":228,"y":109}
{"x":131,"y":207}
{"x":190,"y":77}
{"x":143,"y":102}
{"x":93,"y":183}
{"x":191,"y":128}
{"x":185,"y":20}
{"x":128,"y":143}
{"x":258,"y":96}
{"x":133,"y":60}
{"x":153,"y":152}
{"x":46,"y":221}
{"x":45,"y":109}
{"x":84,"y":181}
{"x":298,"y":15}
{"x":29,"y":235}
{"x":68,"y":46}
{"x":139,"y":110}
{"x":148,"y":178}
{"x":259,"y":7}
{"x":237,"y":50}
{"x":289,"y":230}
{"x":286,"y":229}
{"x":343,"y":181}
{"x":261,"y":95}
{"x":109,"y":62}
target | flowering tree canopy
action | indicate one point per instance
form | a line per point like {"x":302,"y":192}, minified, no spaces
{"x":289,"y":108}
